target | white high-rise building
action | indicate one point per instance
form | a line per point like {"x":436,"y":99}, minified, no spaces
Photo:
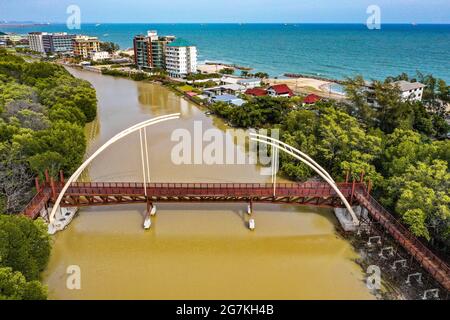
{"x":181,"y":58}
{"x":36,"y":41}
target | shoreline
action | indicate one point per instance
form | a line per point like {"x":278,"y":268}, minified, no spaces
{"x":303,"y":85}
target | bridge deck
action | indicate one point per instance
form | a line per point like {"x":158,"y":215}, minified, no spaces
{"x":38,"y":203}
{"x":96,"y":194}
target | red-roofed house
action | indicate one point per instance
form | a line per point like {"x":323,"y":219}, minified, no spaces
{"x":256,"y":92}
{"x":311,"y":99}
{"x":191,"y":94}
{"x":280,"y":90}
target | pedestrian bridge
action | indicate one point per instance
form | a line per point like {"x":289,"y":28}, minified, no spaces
{"x":72,"y":194}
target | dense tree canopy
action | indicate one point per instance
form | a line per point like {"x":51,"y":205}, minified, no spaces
{"x":109,"y":47}
{"x":14,"y":286}
{"x":415,"y":165}
{"x":43,"y":110}
{"x":24,"y":253}
{"x":380,"y":105}
{"x":333,"y":138}
{"x":256,"y":113}
{"x":24,"y":245}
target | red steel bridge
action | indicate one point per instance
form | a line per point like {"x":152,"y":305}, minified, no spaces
{"x":325,"y":194}
{"x":319,"y":194}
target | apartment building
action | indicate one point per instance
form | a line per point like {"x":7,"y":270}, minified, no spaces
{"x":150,"y":50}
{"x":181,"y":58}
{"x":84,"y":46}
{"x":58,"y":42}
{"x":410,"y":91}
{"x":51,"y":42}
{"x":36,"y":41}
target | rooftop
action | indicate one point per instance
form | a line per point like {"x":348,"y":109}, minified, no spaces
{"x":281,"y":89}
{"x":231,"y":87}
{"x":311,"y":99}
{"x":229,"y":98}
{"x":257,"y":92}
{"x":249,"y":80}
{"x":180,"y":43}
{"x":407,"y":86}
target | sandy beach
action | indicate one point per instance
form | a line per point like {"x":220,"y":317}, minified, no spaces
{"x":308,"y":85}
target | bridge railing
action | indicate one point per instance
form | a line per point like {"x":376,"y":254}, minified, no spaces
{"x":238,"y":189}
{"x":36,"y":204}
{"x":311,"y":185}
{"x":407,"y":234}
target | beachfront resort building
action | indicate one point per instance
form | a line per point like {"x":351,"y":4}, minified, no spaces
{"x":36,"y":41}
{"x":85,"y":46}
{"x":58,"y":42}
{"x":176,"y":56}
{"x":410,"y":91}
{"x":51,"y":42}
{"x":150,"y":50}
{"x":181,"y":58}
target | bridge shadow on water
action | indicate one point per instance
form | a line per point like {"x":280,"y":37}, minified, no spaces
{"x":288,"y":220}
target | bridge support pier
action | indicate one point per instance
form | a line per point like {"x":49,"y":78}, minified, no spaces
{"x":151,"y":208}
{"x":250,"y":208}
{"x":63,"y":218}
{"x":345,"y":219}
{"x":151,"y":211}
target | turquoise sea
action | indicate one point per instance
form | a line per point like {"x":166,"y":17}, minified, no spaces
{"x":327,"y":50}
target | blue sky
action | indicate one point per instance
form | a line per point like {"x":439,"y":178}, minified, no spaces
{"x":154,"y":11}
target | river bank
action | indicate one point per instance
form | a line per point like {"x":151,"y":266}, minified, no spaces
{"x":193,"y":251}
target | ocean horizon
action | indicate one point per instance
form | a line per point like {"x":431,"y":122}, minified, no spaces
{"x":330,"y":50}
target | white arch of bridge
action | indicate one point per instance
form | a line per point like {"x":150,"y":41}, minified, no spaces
{"x":279,"y":145}
{"x":113,"y":140}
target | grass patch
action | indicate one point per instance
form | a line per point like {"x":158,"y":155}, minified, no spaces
{"x":185,"y":88}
